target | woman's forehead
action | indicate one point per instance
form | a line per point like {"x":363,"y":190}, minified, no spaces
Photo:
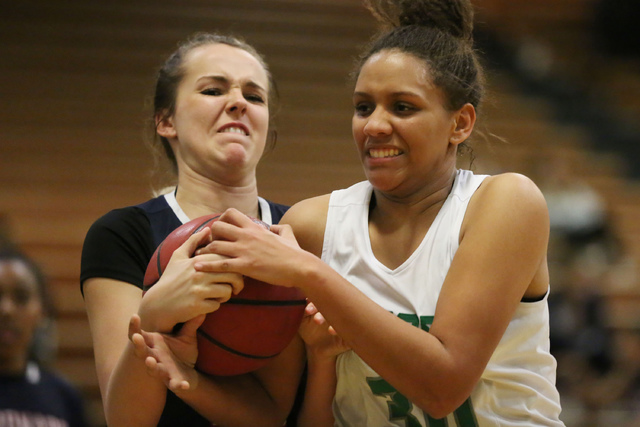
{"x":224,"y":60}
{"x":16,"y":272}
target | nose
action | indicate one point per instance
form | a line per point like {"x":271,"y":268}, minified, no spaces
{"x":377,"y":124}
{"x":237,"y":103}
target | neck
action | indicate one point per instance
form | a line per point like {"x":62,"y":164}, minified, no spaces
{"x":198,"y":197}
{"x":425,"y":201}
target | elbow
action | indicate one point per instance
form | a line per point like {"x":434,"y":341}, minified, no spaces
{"x":439,"y":410}
{"x":442,"y":404}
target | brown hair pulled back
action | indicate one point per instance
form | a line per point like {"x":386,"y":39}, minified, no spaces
{"x":172,"y":72}
{"x":440,"y":33}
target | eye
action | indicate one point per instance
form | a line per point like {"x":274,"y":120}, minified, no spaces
{"x":255,"y":98}
{"x":212,"y":91}
{"x":403,"y":108}
{"x":22,"y":297}
{"x":363,"y":109}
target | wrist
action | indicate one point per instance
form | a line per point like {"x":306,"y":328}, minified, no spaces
{"x":320,"y":357}
{"x":148,"y":320}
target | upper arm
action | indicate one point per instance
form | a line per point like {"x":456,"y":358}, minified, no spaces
{"x":109,"y":304}
{"x":502,"y":253}
{"x":307,"y":219}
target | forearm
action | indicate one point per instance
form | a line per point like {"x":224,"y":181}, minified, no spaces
{"x":316,"y":410}
{"x":133,"y":397}
{"x":233,"y":401}
{"x":413,"y":361}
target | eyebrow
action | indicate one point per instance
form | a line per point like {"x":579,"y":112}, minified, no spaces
{"x":394,"y":94}
{"x":224,"y":80}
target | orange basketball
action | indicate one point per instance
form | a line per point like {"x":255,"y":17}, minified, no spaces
{"x":247,"y":331}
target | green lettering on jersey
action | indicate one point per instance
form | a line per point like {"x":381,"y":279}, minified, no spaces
{"x":400,"y":407}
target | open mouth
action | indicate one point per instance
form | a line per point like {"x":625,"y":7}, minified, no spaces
{"x":234,"y":129}
{"x":381,"y":153}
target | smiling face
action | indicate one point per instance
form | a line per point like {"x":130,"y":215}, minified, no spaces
{"x":20,"y":313}
{"x":405,"y":135}
{"x":221,"y":118}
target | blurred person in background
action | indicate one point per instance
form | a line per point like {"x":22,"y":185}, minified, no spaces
{"x":30,"y":393}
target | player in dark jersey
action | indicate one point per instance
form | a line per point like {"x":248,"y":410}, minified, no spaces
{"x":212,"y":103}
{"x":30,"y":393}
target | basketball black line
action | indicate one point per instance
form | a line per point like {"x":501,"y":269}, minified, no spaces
{"x":266,"y":302}
{"x":159,"y":251}
{"x":230,"y":350}
{"x":204,"y":223}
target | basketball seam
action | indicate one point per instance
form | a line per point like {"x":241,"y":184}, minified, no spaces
{"x":263,"y":302}
{"x":231,"y":350}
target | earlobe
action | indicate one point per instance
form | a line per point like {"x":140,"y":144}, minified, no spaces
{"x":464,"y":121}
{"x":164,"y":126}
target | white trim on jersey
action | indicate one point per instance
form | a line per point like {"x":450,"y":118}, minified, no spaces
{"x":263,"y":205}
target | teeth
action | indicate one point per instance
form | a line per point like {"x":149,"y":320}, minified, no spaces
{"x":385,"y":152}
{"x":234,"y":130}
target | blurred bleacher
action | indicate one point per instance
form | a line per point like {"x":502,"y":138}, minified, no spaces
{"x":77,"y":74}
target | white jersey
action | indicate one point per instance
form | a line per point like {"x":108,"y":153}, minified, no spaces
{"x":518,"y":386}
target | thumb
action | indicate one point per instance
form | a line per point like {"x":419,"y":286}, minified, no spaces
{"x":191,"y":326}
{"x":134,"y":325}
{"x":196,"y":240}
{"x":283,"y":230}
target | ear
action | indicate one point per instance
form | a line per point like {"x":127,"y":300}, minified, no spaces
{"x":464,"y":120}
{"x":164,"y":125}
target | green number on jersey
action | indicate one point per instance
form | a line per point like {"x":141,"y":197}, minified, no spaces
{"x":400,"y":407}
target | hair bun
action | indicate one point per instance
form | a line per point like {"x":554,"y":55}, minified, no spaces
{"x":454,"y":17}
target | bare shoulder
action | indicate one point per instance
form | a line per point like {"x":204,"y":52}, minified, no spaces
{"x":307,"y":219}
{"x":506,"y":197}
{"x":510,"y":188}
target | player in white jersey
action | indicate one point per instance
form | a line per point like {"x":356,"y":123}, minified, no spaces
{"x":520,"y":364}
{"x":435,"y":280}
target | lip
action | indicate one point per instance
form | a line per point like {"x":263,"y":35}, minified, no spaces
{"x":234,"y":125}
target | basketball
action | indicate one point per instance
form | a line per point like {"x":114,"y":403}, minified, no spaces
{"x":247,"y":331}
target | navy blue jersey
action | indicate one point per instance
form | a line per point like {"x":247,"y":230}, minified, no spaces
{"x":119,"y":246}
{"x":41,"y":398}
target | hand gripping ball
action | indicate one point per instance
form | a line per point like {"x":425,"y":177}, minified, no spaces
{"x":247,"y":331}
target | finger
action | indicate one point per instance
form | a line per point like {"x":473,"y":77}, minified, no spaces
{"x":283,"y":230}
{"x":203,"y":250}
{"x":134,"y":325}
{"x":226,"y":284}
{"x":148,"y":338}
{"x":318,"y":318}
{"x":139,"y":346}
{"x":191,"y":326}
{"x":235,"y":281}
{"x":235,"y":217}
{"x":152,"y":365}
{"x":310,"y":309}
{"x":176,"y":385}
{"x":196,"y":240}
{"x":220,"y":292}
{"x":210,"y":263}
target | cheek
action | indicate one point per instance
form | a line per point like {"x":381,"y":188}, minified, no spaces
{"x":357,"y":130}
{"x":30,"y":317}
{"x":261,"y":122}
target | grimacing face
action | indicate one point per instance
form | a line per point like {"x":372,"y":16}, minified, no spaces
{"x":21,"y":310}
{"x":221,"y":120}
